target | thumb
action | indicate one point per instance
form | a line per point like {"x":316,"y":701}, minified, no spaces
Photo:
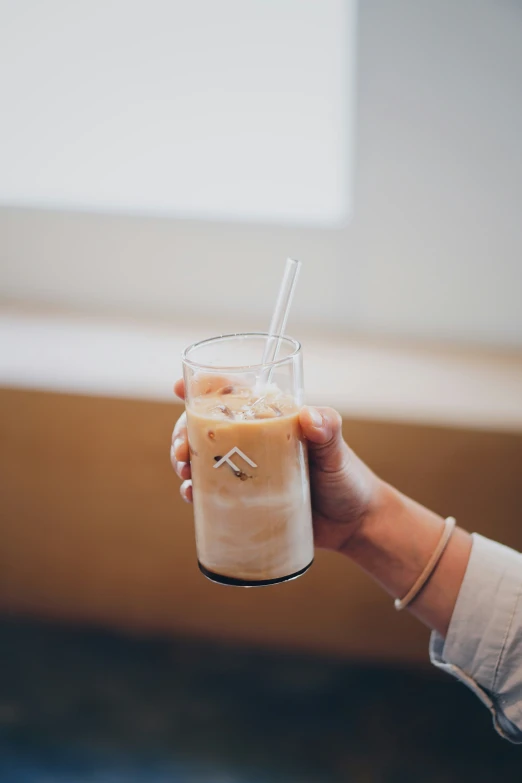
{"x":322,"y":428}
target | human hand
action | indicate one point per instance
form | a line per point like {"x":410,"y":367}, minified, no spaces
{"x":344,"y":490}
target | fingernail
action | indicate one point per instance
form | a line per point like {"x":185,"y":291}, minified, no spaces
{"x":177,"y":444}
{"x":315,"y":417}
{"x":182,"y":469}
{"x":173,"y":452}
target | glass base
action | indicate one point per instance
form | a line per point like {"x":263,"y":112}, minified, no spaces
{"x":229,"y":580}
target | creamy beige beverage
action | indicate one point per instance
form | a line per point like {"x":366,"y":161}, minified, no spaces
{"x":250,"y":483}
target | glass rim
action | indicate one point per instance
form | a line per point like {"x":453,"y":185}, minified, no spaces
{"x":238,"y":367}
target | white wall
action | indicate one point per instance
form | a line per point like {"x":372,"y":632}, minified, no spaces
{"x":438,"y":224}
{"x":434,"y":248}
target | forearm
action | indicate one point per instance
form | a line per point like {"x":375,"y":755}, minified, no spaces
{"x":393,"y":545}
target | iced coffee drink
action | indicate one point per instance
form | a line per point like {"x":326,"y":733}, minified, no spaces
{"x":249,"y":462}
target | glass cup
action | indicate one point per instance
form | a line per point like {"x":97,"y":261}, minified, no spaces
{"x":249,"y":460}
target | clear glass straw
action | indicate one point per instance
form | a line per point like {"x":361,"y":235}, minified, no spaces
{"x":279,"y":318}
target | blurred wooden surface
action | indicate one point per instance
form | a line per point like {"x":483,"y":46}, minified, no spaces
{"x":92,"y":528}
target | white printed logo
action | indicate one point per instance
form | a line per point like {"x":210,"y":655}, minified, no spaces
{"x":234,"y":467}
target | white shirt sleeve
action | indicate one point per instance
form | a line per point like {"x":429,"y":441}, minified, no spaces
{"x":483,"y":646}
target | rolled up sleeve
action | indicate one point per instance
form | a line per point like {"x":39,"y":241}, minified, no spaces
{"x":483,"y":646}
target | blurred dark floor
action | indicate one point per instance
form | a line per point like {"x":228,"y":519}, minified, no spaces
{"x":79,"y":706}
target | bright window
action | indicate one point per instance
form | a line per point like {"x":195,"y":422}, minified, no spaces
{"x":237,"y":109}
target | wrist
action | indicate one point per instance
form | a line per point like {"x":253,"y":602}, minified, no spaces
{"x":393,"y":543}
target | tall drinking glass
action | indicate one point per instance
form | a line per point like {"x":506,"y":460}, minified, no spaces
{"x":249,"y":460}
